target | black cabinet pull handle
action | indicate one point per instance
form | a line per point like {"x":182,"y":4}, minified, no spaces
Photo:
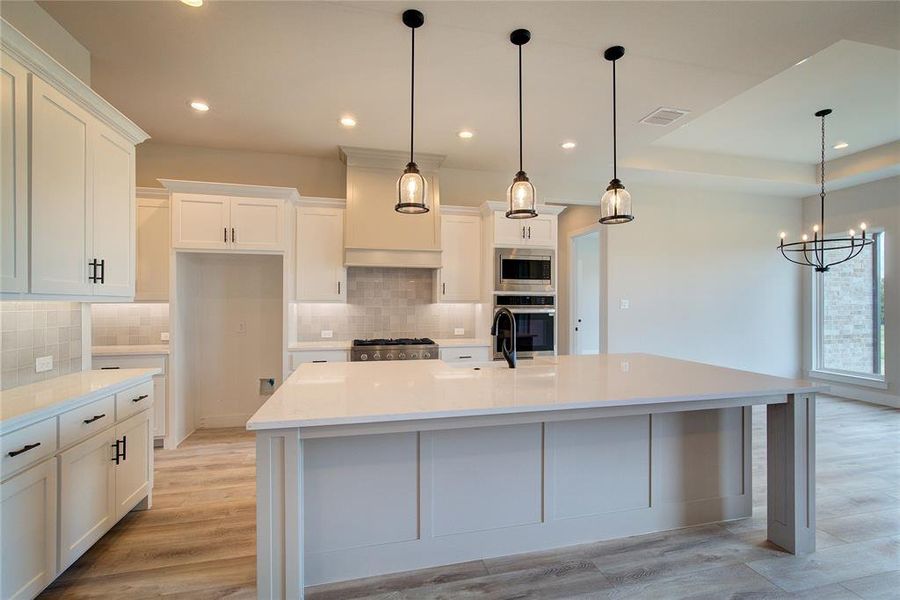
{"x":117,"y":455}
{"x":225,"y":235}
{"x":103,"y":270}
{"x":523,"y":232}
{"x":529,"y":232}
{"x":109,"y":368}
{"x":233,"y":240}
{"x":139,"y":398}
{"x":124,"y":447}
{"x":339,"y":288}
{"x":465,"y":356}
{"x":320,"y":361}
{"x":444,"y":288}
{"x":94,"y":418}
{"x":93,"y":276}
{"x":24,"y":448}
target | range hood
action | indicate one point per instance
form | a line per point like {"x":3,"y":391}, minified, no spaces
{"x":375,"y":235}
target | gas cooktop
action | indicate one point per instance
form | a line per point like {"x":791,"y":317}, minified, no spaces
{"x":394,"y":349}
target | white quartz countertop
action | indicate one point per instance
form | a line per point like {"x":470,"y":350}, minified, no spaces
{"x":359,"y":392}
{"x":27,"y":404}
{"x":129,"y":350}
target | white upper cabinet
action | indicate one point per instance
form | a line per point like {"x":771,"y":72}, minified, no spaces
{"x":152,"y":282}
{"x":112,"y":205}
{"x":459,"y":277}
{"x":13,"y":175}
{"x":67,"y":189}
{"x":60,"y":198}
{"x":200,"y":221}
{"x":321,"y":276}
{"x":257,"y":224}
{"x":538,"y":231}
{"x":228,"y":217}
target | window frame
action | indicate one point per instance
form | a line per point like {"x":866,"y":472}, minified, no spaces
{"x":818,"y":370}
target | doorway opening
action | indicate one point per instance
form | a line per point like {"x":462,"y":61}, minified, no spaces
{"x":584,"y":270}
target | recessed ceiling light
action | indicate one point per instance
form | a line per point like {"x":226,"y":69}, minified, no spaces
{"x":466,"y":134}
{"x":568,"y":145}
{"x":348,"y":121}
{"x":199,"y":105}
{"x":193,"y":3}
{"x":841,"y":145}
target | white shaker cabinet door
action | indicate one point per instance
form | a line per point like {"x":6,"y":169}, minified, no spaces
{"x":321,"y":276}
{"x":509,"y":232}
{"x":257,"y":224}
{"x":200,"y":221}
{"x":28,"y":531}
{"x":152,"y":278}
{"x":461,"y":259}
{"x":112,"y":203}
{"x":541,"y":231}
{"x":60,"y":202}
{"x":134,"y":468}
{"x":87,"y":483}
{"x":13,"y":175}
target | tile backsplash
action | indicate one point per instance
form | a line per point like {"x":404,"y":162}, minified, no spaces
{"x":133,"y":324}
{"x":385,"y":302}
{"x":31,"y":330}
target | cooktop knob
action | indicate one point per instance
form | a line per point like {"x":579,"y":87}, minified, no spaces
{"x":389,"y":356}
{"x":363,"y":357}
{"x":376,"y":356}
{"x":426,"y":354}
{"x":402,"y":356}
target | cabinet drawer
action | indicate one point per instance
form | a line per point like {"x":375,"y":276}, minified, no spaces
{"x":134,"y":400}
{"x":130,"y":362}
{"x":465,"y":354}
{"x":87,"y":420}
{"x":27,"y":446}
{"x":317,"y":356}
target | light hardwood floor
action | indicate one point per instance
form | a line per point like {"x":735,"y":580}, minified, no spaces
{"x":198,"y":540}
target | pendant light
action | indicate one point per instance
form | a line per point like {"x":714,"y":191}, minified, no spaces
{"x":615,"y":205}
{"x":521,"y":195}
{"x":412,"y":195}
{"x":813,"y":253}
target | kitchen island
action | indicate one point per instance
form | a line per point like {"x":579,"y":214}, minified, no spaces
{"x":372,"y":468}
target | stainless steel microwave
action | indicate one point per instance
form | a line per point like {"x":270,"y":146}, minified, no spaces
{"x":524,"y":270}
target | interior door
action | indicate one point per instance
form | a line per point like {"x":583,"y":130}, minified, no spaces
{"x":88,"y":485}
{"x":60,"y":223}
{"x":133,"y":470}
{"x":321,"y":276}
{"x":585,"y":324}
{"x":257,"y":224}
{"x":113,"y":217}
{"x":13,"y":175}
{"x":200,"y":221}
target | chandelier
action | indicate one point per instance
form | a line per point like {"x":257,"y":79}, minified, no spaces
{"x":817,"y":253}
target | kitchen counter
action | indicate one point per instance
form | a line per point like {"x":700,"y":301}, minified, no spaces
{"x":28,"y":404}
{"x":146,"y":349}
{"x":372,"y":468}
{"x":345,"y":344}
{"x":461,"y":342}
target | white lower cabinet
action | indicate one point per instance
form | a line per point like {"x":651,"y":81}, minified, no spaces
{"x":135,"y":464}
{"x":466,"y":354}
{"x":87,"y":484}
{"x":28,"y":504}
{"x":318,"y":356}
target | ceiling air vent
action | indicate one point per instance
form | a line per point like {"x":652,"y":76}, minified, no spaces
{"x":663,"y":116}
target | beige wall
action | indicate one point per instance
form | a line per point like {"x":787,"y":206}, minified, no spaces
{"x":878,"y":205}
{"x":703,"y":278}
{"x":43,"y":30}
{"x":312,"y":176}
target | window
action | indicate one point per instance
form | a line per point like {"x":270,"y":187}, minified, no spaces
{"x":850,"y":315}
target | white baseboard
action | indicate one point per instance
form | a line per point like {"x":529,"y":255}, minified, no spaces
{"x":864,"y":395}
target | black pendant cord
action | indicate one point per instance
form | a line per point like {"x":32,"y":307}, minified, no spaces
{"x":615,"y":156}
{"x":822,"y":199}
{"x":520,"y":110}
{"x":412,"y":96}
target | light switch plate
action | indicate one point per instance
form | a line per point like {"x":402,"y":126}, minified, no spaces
{"x":327,"y":333}
{"x":43,"y":364}
{"x":242,"y":327}
{"x":164,"y":336}
{"x":459,"y":331}
{"x":624,"y":304}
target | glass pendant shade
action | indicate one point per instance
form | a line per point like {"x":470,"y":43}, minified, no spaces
{"x":522,"y":197}
{"x":411,"y":192}
{"x":615,"y":205}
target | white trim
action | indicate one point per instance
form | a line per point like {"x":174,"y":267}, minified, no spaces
{"x":452,"y":209}
{"x":872,"y":397}
{"x":151,"y":192}
{"x":354,"y":156}
{"x":22,"y":49}
{"x":873,"y":381}
{"x":230,"y":189}
{"x":322,"y":202}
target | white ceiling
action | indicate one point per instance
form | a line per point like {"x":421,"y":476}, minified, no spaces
{"x":278,"y":75}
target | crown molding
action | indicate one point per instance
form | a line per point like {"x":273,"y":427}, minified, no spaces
{"x":38,"y":62}
{"x":453,"y":209}
{"x":322,"y":202}
{"x":230,"y":189}
{"x":353,"y":156}
{"x":151,"y":192}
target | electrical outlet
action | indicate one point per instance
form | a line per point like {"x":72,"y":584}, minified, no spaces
{"x":327,"y":333}
{"x":164,"y":336}
{"x":459,"y":331}
{"x":242,"y":327}
{"x":43,"y":363}
{"x":624,"y":304}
